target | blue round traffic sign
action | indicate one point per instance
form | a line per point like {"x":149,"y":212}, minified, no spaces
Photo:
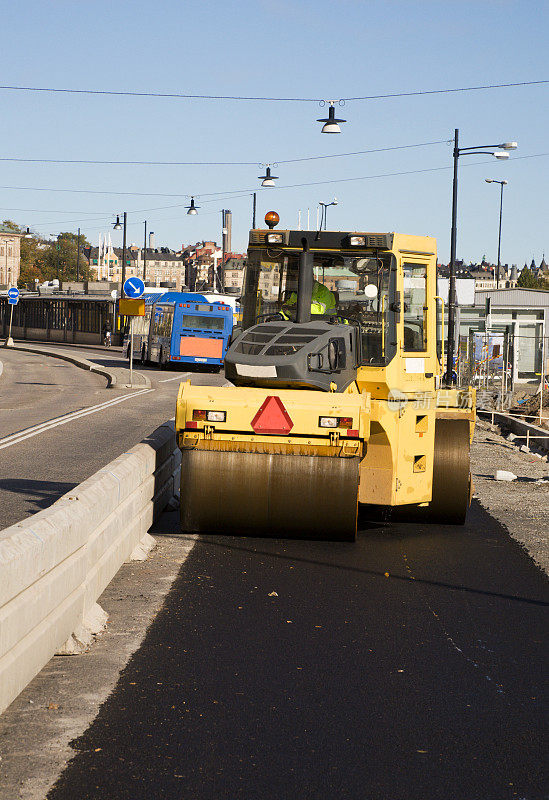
{"x":13,"y":293}
{"x":133,"y":288}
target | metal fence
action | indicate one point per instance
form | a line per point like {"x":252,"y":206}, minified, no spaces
{"x":55,"y":315}
{"x":499,"y":363}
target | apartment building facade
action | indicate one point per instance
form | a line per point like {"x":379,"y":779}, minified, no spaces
{"x":10,"y":257}
{"x":157,"y":267}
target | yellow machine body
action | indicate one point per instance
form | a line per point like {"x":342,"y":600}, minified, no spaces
{"x":405,"y":442}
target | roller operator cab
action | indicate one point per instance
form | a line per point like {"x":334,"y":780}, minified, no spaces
{"x":337,"y":397}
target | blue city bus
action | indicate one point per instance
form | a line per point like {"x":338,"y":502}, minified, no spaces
{"x":182,"y":327}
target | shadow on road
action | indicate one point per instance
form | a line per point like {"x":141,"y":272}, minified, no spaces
{"x":41,"y":494}
{"x":376,"y":532}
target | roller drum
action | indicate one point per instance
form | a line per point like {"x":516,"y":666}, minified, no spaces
{"x":259,"y":494}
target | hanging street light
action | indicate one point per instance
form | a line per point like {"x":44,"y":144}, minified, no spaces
{"x":268,"y":179}
{"x":331,"y":123}
{"x":116,"y":225}
{"x":192,"y":208}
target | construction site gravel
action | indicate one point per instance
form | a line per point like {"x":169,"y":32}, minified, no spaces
{"x":522,"y":506}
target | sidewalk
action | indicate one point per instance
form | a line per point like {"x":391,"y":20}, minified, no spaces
{"x":117,"y":377}
{"x":76,"y":345}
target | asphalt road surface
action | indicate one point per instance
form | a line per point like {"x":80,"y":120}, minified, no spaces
{"x":59,"y":424}
{"x":407,"y":666}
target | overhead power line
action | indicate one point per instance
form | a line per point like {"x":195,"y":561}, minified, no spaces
{"x":230,"y":193}
{"x":235,"y":193}
{"x":445,"y":91}
{"x":49,"y":211}
{"x":216,"y":163}
{"x":181,"y":96}
{"x":362,"y":152}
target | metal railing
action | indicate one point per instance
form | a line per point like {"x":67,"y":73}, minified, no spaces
{"x":502,"y":362}
{"x":528,"y":435}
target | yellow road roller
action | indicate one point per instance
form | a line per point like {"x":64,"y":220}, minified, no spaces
{"x":336,"y":398}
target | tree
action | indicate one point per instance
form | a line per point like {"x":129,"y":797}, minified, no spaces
{"x":527,"y":280}
{"x":45,"y":260}
{"x":60,"y":258}
{"x":29,"y":255}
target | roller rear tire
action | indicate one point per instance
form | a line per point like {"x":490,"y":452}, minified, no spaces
{"x":451,"y":472}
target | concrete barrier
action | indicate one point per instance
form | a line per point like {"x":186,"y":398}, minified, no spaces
{"x":55,"y":564}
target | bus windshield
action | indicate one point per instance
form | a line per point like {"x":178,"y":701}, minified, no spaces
{"x":351,"y":289}
{"x":203,"y":323}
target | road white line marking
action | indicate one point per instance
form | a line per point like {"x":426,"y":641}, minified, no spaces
{"x":176,"y":378}
{"x":28,"y":433}
{"x":68,"y":415}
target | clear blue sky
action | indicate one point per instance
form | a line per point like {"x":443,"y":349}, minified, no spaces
{"x":303,"y":48}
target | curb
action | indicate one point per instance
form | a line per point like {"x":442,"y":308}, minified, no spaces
{"x":115,"y":348}
{"x":82,"y":363}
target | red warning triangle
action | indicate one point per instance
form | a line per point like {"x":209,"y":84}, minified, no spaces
{"x":272,"y":417}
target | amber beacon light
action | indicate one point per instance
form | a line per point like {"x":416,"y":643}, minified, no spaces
{"x":271,"y":219}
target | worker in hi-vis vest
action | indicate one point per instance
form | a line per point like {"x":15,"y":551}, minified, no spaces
{"x":322,"y":302}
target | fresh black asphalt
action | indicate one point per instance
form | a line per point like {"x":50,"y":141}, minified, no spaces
{"x":407,"y":666}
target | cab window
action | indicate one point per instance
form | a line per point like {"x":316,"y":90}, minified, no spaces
{"x":415,"y":310}
{"x":352,"y":290}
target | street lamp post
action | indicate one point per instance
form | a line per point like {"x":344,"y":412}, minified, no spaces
{"x":117,"y":226}
{"x":145,"y":255}
{"x":8,"y":268}
{"x":500,"y":152}
{"x":502,"y":184}
{"x":324,"y":214}
{"x":221,"y":272}
{"x":58,"y":261}
{"x":58,"y":254}
{"x":78,"y":256}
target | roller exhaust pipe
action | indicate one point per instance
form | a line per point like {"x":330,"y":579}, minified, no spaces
{"x":305,"y":284}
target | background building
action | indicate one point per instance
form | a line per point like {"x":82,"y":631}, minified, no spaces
{"x":159,"y":267}
{"x":10,"y":257}
{"x":234,"y":273}
{"x":484,"y":274}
